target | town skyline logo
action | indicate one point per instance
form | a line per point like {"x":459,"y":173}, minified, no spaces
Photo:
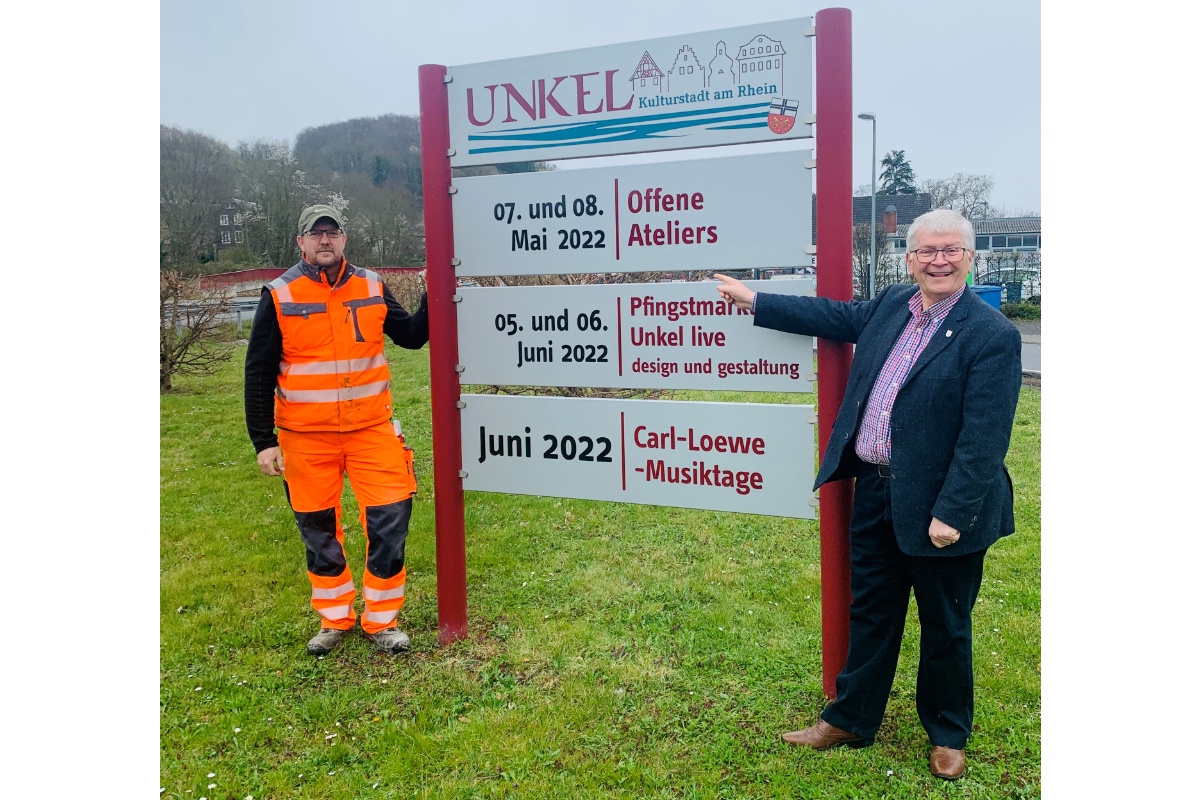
{"x":689,"y":91}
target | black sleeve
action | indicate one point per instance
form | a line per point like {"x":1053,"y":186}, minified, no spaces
{"x":263,"y":354}
{"x":410,"y":331}
{"x":815,"y":316}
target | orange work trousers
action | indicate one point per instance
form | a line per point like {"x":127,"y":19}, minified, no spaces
{"x":380,"y":470}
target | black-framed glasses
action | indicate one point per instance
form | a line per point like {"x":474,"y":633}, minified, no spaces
{"x":953,"y":254}
{"x":316,"y":235}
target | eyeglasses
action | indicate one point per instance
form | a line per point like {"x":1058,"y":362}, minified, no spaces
{"x":316,"y":235}
{"x":927,"y":254}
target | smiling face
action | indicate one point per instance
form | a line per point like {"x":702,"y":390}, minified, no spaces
{"x":939,"y":278}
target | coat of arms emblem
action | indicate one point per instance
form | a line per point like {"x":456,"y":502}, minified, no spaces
{"x":782,"y":115}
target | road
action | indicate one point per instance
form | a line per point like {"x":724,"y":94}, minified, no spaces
{"x":1031,"y":344}
{"x":1031,"y":353}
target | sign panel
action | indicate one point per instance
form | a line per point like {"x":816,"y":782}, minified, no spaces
{"x":742,"y":212}
{"x":745,"y":457}
{"x":731,"y":86}
{"x":632,"y":335}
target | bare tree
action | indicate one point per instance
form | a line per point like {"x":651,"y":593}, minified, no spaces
{"x":276,"y":189}
{"x":188,"y":321}
{"x":386,"y":225}
{"x":195,"y":174}
{"x":1011,"y":267}
{"x":966,"y":194}
{"x":862,"y":260}
{"x":891,"y":270}
{"x":407,"y":288}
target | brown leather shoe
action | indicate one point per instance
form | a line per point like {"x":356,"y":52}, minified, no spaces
{"x":823,"y":736}
{"x":948,"y":763}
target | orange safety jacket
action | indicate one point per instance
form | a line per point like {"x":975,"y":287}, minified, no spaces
{"x":334,"y":375}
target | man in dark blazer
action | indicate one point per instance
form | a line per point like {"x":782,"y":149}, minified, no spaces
{"x":923,"y":429}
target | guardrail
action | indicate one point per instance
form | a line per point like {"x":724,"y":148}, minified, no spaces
{"x":241,"y":311}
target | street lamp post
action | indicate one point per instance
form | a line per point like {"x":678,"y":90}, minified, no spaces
{"x":871,"y":272}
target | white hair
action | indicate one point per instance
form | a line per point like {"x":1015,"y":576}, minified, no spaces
{"x":940,"y":220}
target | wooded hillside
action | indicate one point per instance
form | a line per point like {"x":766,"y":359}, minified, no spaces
{"x":368,"y":168}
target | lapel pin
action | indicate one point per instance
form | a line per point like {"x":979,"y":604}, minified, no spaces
{"x":948,"y":334}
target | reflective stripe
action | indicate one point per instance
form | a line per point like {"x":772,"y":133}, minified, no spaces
{"x":382,"y":594}
{"x":374,"y":284}
{"x":335,"y":613}
{"x":333,"y":367}
{"x":342,"y":394}
{"x":280,"y":287}
{"x":381,"y":616}
{"x":330,"y":594}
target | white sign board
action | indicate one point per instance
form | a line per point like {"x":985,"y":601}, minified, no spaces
{"x":633,"y":335}
{"x":740,"y":212}
{"x":745,"y":457}
{"x":731,"y":86}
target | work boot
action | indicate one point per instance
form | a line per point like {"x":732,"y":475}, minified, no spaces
{"x":324,"y":641}
{"x":390,"y":640}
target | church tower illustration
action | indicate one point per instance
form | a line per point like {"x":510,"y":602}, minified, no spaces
{"x":721,"y":74}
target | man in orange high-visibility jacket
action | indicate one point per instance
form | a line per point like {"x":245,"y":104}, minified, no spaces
{"x":315,"y":369}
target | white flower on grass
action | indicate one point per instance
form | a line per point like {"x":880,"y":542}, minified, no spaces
{"x":237,"y":730}
{"x":889,"y":773}
{"x":333,"y":772}
{"x":212,"y":786}
{"x":212,"y":774}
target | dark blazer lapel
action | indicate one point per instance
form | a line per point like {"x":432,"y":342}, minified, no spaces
{"x":951,"y":328}
{"x":882,"y":345}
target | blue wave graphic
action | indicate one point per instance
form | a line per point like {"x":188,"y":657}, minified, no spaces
{"x":652,"y":126}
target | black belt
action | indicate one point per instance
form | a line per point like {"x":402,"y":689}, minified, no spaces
{"x":882,"y":470}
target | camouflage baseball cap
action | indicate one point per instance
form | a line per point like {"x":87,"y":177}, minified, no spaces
{"x":310,"y":215}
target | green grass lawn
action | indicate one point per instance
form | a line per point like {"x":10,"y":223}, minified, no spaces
{"x":613,"y":650}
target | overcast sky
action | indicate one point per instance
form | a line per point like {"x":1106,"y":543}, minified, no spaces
{"x":954,"y":84}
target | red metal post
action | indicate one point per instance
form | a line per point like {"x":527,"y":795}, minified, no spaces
{"x":450,"y":518}
{"x":834,"y":280}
